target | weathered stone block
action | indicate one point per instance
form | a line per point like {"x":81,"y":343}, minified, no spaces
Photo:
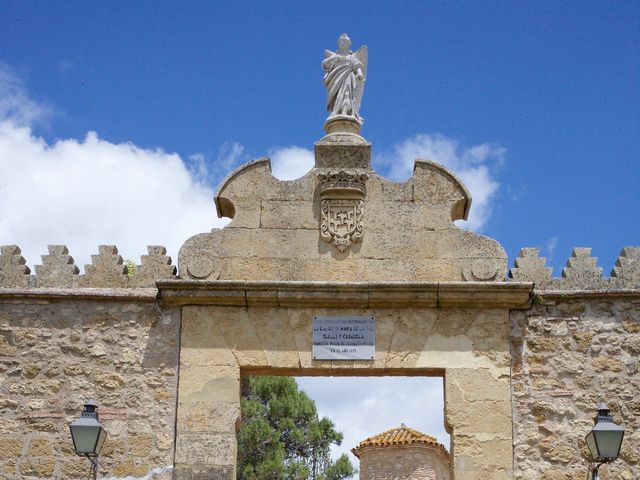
{"x":343,"y":151}
{"x":41,"y":467}
{"x":603,"y":364}
{"x":40,"y":446}
{"x":203,"y":472}
{"x":75,"y":469}
{"x":212,"y":415}
{"x":140,"y":445}
{"x":10,"y":447}
{"x":206,"y":448}
{"x":110,"y":380}
{"x":129,"y":468}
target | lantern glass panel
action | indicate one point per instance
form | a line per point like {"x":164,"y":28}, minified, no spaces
{"x":85,"y":438}
{"x":609,"y":442}
{"x":101,"y":438}
{"x":591,"y":443}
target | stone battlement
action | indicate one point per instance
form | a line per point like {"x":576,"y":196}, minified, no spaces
{"x":580,"y":273}
{"x":108,"y":270}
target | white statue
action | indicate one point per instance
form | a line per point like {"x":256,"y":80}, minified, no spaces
{"x":344,"y":78}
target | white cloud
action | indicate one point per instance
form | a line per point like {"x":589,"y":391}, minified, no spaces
{"x":84,"y":193}
{"x":474,"y":166}
{"x":290,"y":163}
{"x":550,"y":248}
{"x":230,"y":155}
{"x":91,"y":192}
{"x":364,"y":406}
{"x":15,"y":104}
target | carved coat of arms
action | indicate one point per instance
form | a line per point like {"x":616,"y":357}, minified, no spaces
{"x":342,"y":196}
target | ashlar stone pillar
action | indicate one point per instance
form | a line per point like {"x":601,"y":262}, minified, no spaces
{"x":208,"y":402}
{"x":478,"y":414}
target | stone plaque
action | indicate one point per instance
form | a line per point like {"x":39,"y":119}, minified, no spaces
{"x":344,"y":338}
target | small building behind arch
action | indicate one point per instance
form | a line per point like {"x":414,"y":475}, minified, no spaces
{"x":402,"y":454}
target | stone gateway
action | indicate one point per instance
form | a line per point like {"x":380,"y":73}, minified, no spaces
{"x":525,"y":357}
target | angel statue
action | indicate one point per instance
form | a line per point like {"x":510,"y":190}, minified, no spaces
{"x":344,"y":78}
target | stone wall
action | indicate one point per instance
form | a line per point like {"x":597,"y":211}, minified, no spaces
{"x":571,"y":351}
{"x":402,"y":462}
{"x":66,"y":337}
{"x":58,"y":350}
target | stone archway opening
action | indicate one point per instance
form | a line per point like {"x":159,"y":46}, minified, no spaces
{"x":368,"y":407}
{"x":406,"y":412}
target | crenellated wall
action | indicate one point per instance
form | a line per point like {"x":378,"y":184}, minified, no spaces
{"x":65,"y":338}
{"x":108,"y":334}
{"x":581,"y":271}
{"x":578,"y":345}
{"x":107,"y":269}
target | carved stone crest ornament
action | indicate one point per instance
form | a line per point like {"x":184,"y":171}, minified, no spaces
{"x":342,"y":195}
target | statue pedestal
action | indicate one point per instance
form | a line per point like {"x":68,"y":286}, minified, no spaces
{"x":342,"y":147}
{"x":342,"y":124}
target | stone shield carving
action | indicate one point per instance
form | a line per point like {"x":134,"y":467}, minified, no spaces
{"x":341,"y":222}
{"x":342,"y":195}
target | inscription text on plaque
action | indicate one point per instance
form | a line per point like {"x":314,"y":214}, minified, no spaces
{"x":344,"y":338}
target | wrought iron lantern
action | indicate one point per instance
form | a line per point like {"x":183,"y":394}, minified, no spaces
{"x":88,"y":435}
{"x":604,"y":440}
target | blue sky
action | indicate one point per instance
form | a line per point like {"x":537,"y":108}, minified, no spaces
{"x":536,"y":105}
{"x":553,"y":83}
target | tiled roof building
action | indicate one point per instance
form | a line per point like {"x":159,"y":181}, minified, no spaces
{"x":402,"y":454}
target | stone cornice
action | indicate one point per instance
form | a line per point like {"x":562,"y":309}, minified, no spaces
{"x":64,"y":294}
{"x":604,"y":294}
{"x":515,"y":295}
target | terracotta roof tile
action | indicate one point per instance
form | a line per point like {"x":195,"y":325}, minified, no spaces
{"x":398,"y":436}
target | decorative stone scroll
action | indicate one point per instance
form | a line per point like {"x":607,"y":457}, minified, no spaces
{"x":342,"y":195}
{"x":481,"y":270}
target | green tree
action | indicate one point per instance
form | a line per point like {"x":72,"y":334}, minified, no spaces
{"x":281,"y":436}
